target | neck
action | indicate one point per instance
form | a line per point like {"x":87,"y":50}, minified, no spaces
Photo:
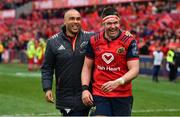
{"x":70,"y":34}
{"x":107,"y":37}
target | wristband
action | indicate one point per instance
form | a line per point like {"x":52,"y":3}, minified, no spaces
{"x":121,"y":81}
{"x":85,"y":87}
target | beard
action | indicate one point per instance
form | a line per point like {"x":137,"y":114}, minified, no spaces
{"x":113,"y":36}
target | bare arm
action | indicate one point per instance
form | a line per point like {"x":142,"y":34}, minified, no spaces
{"x":86,"y":78}
{"x":133,"y":67}
{"x":86,"y":71}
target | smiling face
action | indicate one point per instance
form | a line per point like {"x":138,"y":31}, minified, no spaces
{"x":111,"y":26}
{"x":72,"y":21}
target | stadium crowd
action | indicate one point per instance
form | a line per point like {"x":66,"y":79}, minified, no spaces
{"x":152,"y":23}
{"x":12,"y":4}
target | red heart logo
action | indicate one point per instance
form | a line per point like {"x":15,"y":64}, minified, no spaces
{"x":108,"y":57}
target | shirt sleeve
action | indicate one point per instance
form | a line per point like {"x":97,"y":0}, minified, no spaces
{"x":132,"y":52}
{"x":89,"y":51}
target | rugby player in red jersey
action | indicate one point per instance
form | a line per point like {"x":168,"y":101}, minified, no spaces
{"x":112,"y":57}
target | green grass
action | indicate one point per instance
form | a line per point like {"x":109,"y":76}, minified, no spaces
{"x":21,"y":94}
{"x":162,"y":98}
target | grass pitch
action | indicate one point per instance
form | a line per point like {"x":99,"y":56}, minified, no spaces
{"x":21,"y":95}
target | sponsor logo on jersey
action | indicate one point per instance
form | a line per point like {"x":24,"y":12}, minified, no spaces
{"x":108,"y":68}
{"x":107,"y":57}
{"x":120,"y":50}
{"x":61,"y":47}
{"x":83,"y":44}
{"x":83,"y":47}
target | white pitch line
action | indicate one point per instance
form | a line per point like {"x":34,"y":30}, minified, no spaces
{"x":156,"y":110}
{"x":32,"y":114}
{"x":58,"y":114}
{"x":28,"y":74}
{"x":22,"y":74}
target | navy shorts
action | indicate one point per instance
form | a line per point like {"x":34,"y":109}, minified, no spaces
{"x":113,"y":106}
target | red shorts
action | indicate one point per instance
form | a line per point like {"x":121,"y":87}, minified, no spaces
{"x":40,"y":61}
{"x":31,"y":61}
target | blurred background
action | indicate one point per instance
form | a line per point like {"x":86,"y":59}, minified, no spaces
{"x":152,"y":22}
{"x":26,"y":25}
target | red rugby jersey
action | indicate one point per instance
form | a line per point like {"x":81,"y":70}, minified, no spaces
{"x":110,"y":62}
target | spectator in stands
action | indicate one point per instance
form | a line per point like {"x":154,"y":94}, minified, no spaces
{"x":137,"y":16}
{"x":65,"y":53}
{"x":157,"y":61}
{"x":144,"y":50}
{"x":164,"y":49}
{"x":112,"y":57}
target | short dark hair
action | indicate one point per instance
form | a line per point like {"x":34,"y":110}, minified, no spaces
{"x":109,"y":11}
